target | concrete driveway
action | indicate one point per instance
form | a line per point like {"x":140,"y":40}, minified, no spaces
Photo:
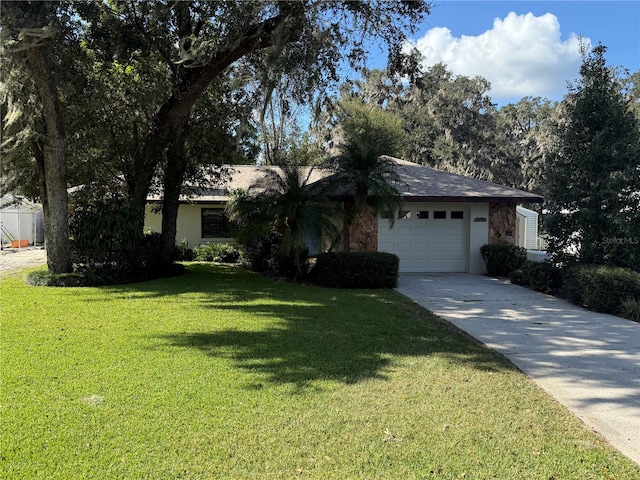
{"x":589,"y":362}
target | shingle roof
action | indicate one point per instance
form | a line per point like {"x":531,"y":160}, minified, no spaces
{"x":418,"y":183}
{"x":241,"y":177}
{"x":422,"y":183}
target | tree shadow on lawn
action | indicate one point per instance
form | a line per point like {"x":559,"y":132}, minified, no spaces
{"x":235,"y":283}
{"x":313,"y":334}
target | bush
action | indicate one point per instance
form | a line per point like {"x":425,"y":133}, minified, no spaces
{"x":110,"y":233}
{"x":631,"y":309}
{"x":268,"y":256}
{"x":540,"y":276}
{"x":574,"y":283}
{"x":292,"y":264}
{"x":217,"y":252}
{"x":601,"y":288}
{"x":258,"y":252}
{"x":502,"y":258}
{"x":184,"y":254}
{"x":357,"y":270}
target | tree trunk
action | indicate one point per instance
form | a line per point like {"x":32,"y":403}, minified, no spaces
{"x":346,"y":225}
{"x":51,"y":161}
{"x":174,"y":176}
{"x":173,"y":115}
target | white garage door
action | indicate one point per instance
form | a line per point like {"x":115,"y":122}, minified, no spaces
{"x":427,"y":238}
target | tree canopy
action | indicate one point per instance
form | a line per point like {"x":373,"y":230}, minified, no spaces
{"x":451,"y":123}
{"x":593,"y":182}
{"x":145,"y":66}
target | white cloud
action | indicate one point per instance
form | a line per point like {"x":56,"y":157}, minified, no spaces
{"x":521,"y":55}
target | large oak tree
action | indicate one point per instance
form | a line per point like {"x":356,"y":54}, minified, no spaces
{"x":191,"y":45}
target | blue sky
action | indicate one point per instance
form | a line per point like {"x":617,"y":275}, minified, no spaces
{"x":527,"y":48}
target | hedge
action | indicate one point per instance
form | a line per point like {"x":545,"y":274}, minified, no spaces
{"x":602,"y":288}
{"x":502,"y":258}
{"x":357,"y":270}
{"x":540,"y":276}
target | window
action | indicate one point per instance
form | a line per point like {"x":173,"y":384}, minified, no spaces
{"x":215,"y":223}
{"x":404,"y":214}
{"x":440,"y":214}
{"x":422,"y":214}
{"x":457,"y":215}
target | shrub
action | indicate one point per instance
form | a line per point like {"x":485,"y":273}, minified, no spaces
{"x":259,"y":251}
{"x":108,"y":232}
{"x":183,"y":253}
{"x":292,"y":264}
{"x":502,"y":258}
{"x":608,"y":286}
{"x":541,"y":276}
{"x":357,"y":270}
{"x":217,"y":252}
{"x":574,"y":283}
{"x":148,"y":254}
{"x":601,"y":288}
{"x":631,"y":309}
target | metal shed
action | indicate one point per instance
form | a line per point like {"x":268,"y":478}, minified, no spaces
{"x":527,"y":228}
{"x":21,"y":222}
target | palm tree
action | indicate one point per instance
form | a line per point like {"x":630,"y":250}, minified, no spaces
{"x":279,"y":205}
{"x":363,"y":167}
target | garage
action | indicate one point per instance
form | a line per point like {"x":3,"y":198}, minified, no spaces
{"x":427,"y":237}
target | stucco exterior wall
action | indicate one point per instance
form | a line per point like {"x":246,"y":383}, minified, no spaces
{"x":189,"y":225}
{"x":478,"y":236}
{"x":502,"y":223}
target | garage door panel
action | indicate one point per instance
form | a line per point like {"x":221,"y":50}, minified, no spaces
{"x":404,"y":247}
{"x":422,"y":265}
{"x":422,"y":231}
{"x":456,"y":267}
{"x":441,"y":231}
{"x":441,"y":264}
{"x":455,"y":244}
{"x":427,"y":245}
{"x":405,"y":265}
{"x":440,"y":247}
{"x":385,"y":247}
{"x":422,"y":247}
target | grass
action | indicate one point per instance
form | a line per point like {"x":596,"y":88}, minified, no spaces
{"x":224,"y":374}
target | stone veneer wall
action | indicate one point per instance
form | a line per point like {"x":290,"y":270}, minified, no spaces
{"x":502,"y":223}
{"x":363,"y":233}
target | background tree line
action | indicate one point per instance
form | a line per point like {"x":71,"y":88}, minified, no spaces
{"x":582,"y":153}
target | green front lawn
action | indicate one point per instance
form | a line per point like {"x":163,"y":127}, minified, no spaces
{"x":224,"y":374}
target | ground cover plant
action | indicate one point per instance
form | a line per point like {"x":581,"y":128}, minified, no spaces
{"x":222,"y":373}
